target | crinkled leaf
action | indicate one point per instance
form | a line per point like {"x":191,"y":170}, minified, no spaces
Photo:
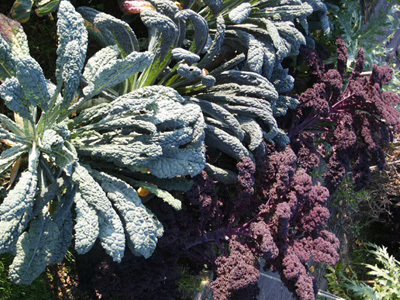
{"x":217,"y":42}
{"x":263,"y":114}
{"x":101,"y":58}
{"x":288,"y":31}
{"x":208,"y":80}
{"x":113,"y":31}
{"x":283,"y":82}
{"x":13,"y":96}
{"x":255,"y":53}
{"x":218,"y":112}
{"x":129,"y":156}
{"x":162,"y":33}
{"x":222,"y":175}
{"x":176,"y":162}
{"x":291,"y":11}
{"x":7,"y":68}
{"x":200,"y":28}
{"x":240,"y":13}
{"x":280,"y":138}
{"x":72,"y":62}
{"x":111,"y":234}
{"x":131,"y":123}
{"x":186,"y":55}
{"x":31,"y":78}
{"x":247,"y":79}
{"x":253,"y":131}
{"x":165,"y":7}
{"x":65,"y":228}
{"x":142,"y":227}
{"x":163,"y":36}
{"x":86,"y":226}
{"x":70,"y":27}
{"x":117,"y":71}
{"x":15,"y":211}
{"x":225,"y":142}
{"x":283,"y":104}
{"x":13,"y":34}
{"x":35,"y":250}
{"x":188,"y":72}
{"x":62,"y":152}
{"x":215,"y":5}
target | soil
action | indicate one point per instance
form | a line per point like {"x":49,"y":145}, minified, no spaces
{"x":5,"y":6}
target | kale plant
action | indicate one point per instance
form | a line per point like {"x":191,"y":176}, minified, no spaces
{"x":21,"y":9}
{"x":351,"y":121}
{"x":151,"y":132}
{"x":225,"y":56}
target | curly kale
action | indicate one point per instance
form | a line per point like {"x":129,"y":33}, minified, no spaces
{"x":356,"y":119}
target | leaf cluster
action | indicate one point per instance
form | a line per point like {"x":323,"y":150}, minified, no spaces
{"x":150,"y":131}
{"x":21,"y":9}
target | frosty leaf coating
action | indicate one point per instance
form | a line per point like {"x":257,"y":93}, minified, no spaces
{"x":141,"y":226}
{"x":117,"y":71}
{"x":86,"y":226}
{"x":15,"y":211}
{"x":240,"y":13}
{"x":35,"y":250}
{"x":111,"y":233}
{"x":32,"y":81}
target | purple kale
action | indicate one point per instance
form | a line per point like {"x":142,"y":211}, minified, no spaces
{"x":325,"y":248}
{"x":246,"y":170}
{"x":293,"y":267}
{"x":381,"y":75}
{"x":236,"y":270}
{"x":342,"y":57}
{"x":305,"y":287}
{"x":356,"y":121}
{"x":262,"y":235}
{"x":359,"y":66}
{"x":204,"y":200}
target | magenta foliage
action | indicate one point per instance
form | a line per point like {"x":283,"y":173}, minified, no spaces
{"x":235,"y":271}
{"x":356,"y":121}
{"x":287,"y":228}
{"x":296,"y":215}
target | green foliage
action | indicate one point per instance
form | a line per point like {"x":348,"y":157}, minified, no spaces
{"x":38,"y":290}
{"x":337,"y":277}
{"x":348,"y":207}
{"x":21,"y":10}
{"x":370,"y":31}
{"x":384,"y":274}
{"x":152,"y":130}
{"x":193,"y":285}
{"x":358,"y":31}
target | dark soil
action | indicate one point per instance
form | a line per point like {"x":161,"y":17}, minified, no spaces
{"x":5,"y":6}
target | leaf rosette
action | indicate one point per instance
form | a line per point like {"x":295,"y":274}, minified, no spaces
{"x":225,"y":56}
{"x":87,"y":149}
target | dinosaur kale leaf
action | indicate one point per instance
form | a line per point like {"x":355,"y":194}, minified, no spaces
{"x":68,"y":134}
